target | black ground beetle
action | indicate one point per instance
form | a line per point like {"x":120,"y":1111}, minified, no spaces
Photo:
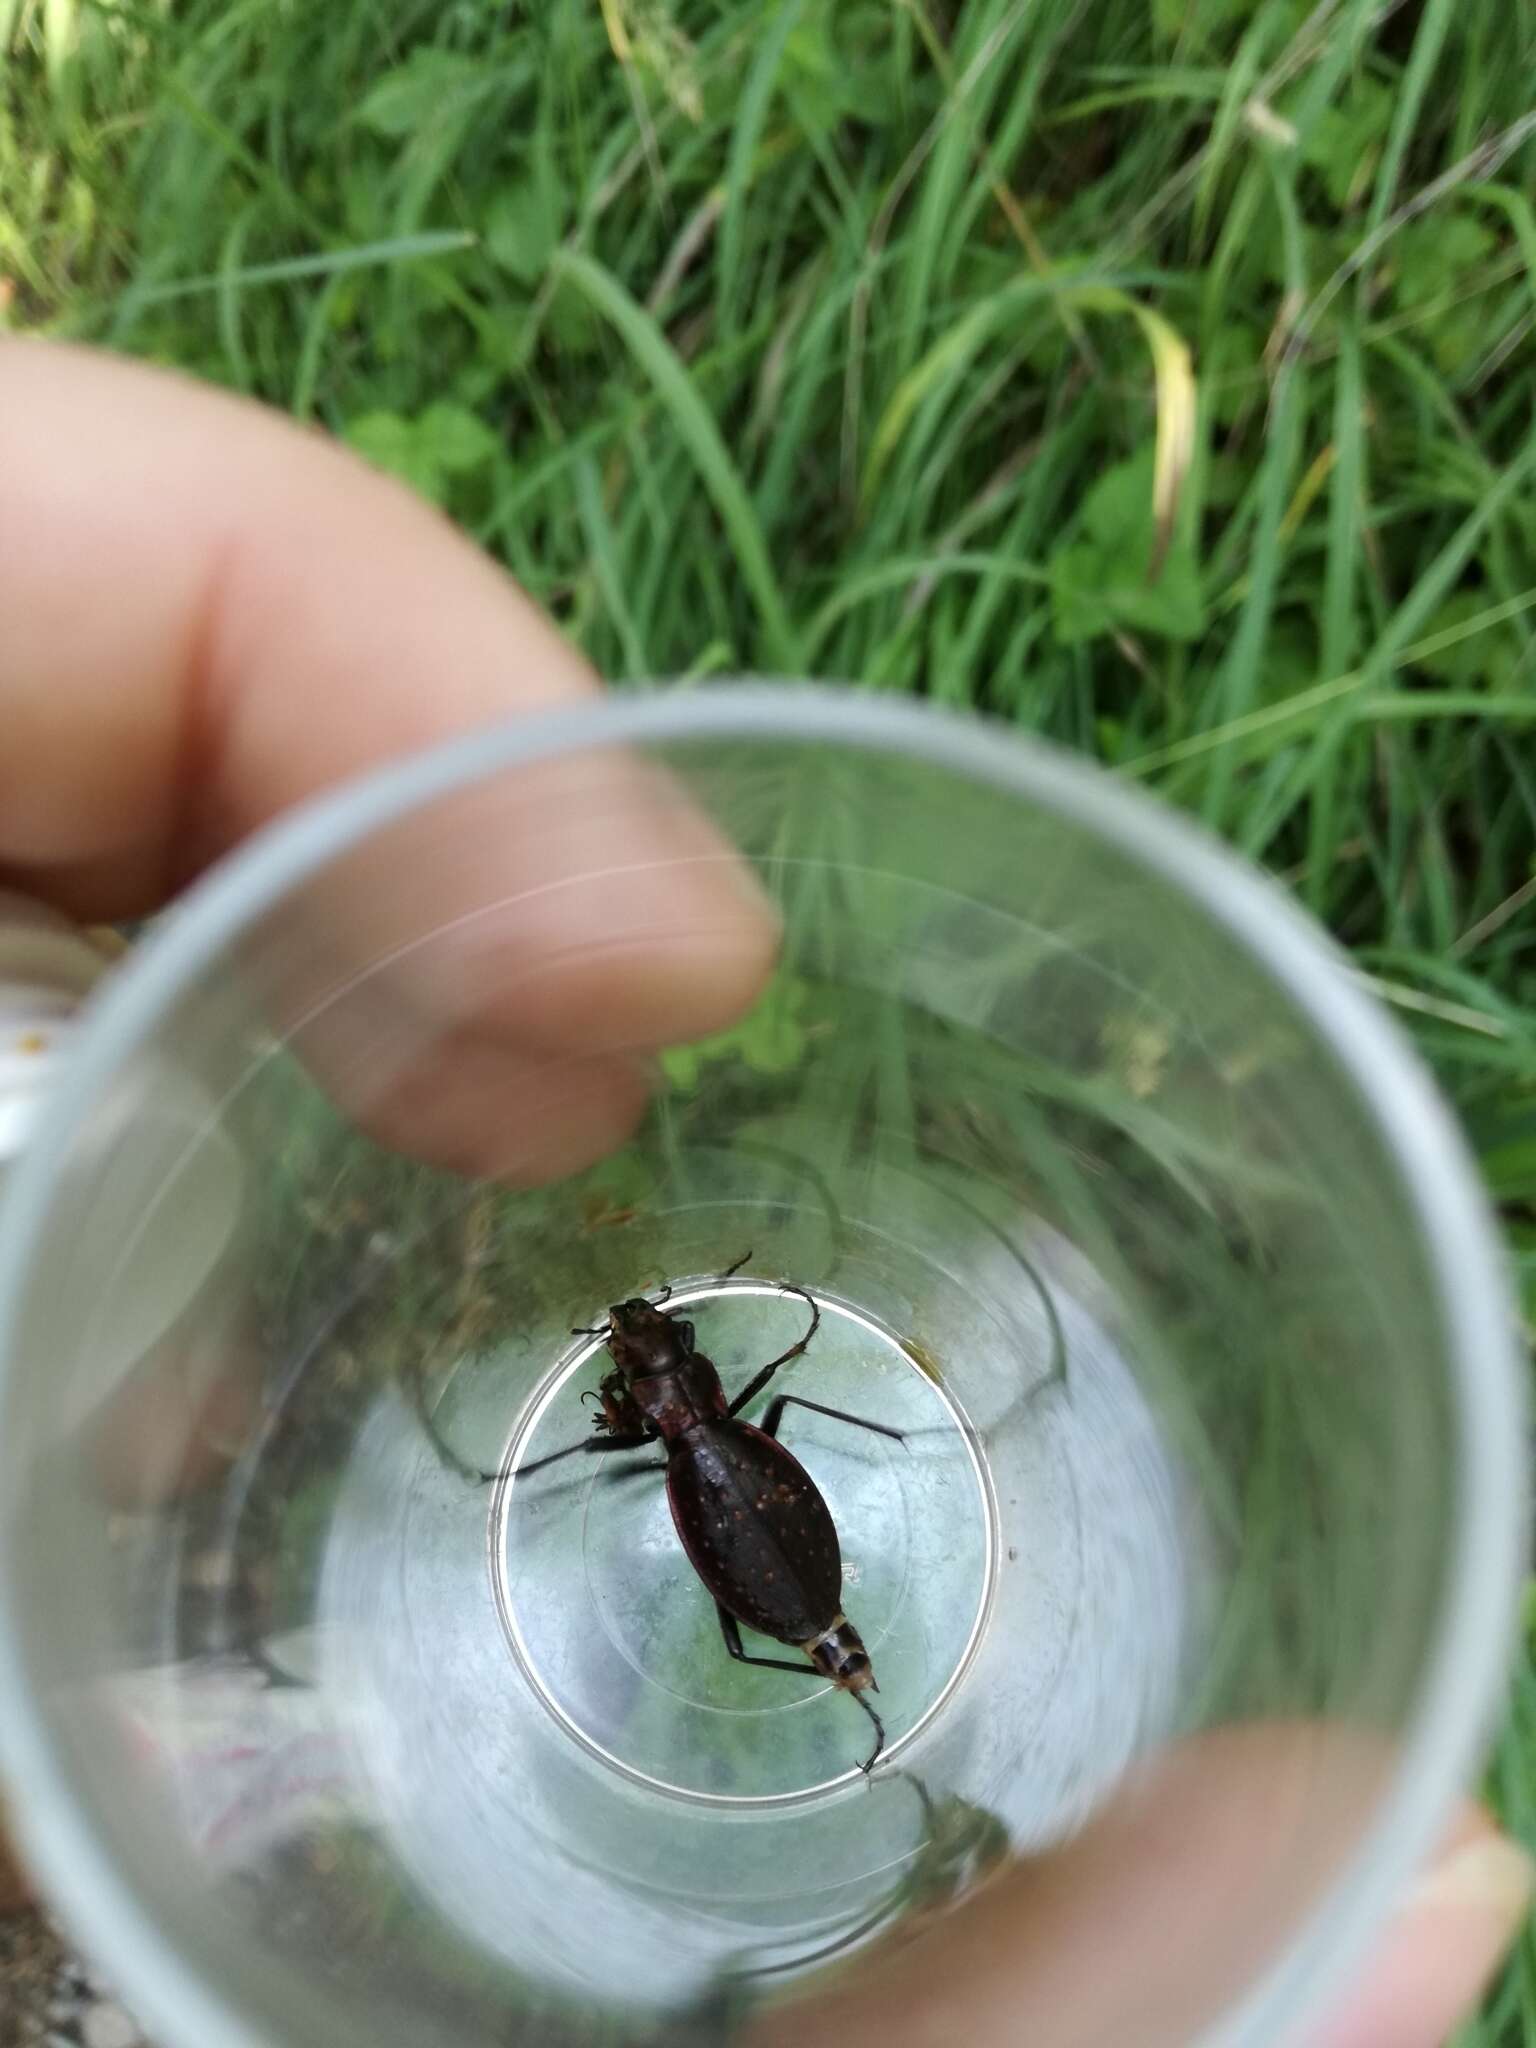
{"x":749,"y":1515}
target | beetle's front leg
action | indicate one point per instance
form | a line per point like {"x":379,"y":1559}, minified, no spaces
{"x":617,"y":1413}
{"x":617,"y":1426}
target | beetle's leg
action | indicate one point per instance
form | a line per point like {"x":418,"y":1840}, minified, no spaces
{"x":730,"y":1628}
{"x":628,"y":1440}
{"x":770,"y":1422}
{"x":874,"y":1755}
{"x":759,"y":1380}
{"x":619,"y":1411}
{"x":647,"y":1468}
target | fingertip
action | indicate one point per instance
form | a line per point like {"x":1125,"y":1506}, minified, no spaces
{"x":642,"y":993}
{"x":489,"y":1111}
{"x":1438,"y":1956}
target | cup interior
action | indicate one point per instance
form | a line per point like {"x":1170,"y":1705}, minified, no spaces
{"x":1088,"y":1168}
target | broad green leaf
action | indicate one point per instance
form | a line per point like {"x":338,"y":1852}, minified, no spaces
{"x":1101,"y":582}
{"x":1093,"y":592}
{"x":394,"y":444}
{"x":1431,"y":255}
{"x":456,"y":439}
{"x":770,"y":1040}
{"x":445,"y":441}
{"x":523,"y":226}
{"x":814,"y":81}
{"x":407,"y":98}
{"x":1343,"y":142}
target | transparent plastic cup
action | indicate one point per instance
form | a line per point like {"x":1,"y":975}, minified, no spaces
{"x":1117,"y":1200}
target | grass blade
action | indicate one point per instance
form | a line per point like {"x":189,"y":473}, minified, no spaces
{"x":695,"y":425}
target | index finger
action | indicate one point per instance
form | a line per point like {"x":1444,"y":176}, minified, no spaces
{"x":210,"y":614}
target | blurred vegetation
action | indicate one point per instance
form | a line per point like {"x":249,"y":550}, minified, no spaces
{"x":852,"y":339}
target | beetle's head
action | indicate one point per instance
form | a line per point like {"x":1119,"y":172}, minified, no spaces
{"x":643,"y":1340}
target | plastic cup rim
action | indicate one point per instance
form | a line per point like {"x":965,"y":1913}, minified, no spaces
{"x":1461,"y":1687}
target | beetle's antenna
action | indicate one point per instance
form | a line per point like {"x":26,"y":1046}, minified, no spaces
{"x":874,"y":1755}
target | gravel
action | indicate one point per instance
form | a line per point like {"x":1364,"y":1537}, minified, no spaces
{"x":49,"y":1998}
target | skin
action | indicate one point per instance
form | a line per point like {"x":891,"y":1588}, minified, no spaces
{"x":210,"y":615}
{"x":1149,"y":1922}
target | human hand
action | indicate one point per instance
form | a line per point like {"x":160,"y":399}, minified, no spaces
{"x":1146,"y":1927}
{"x":211,"y":615}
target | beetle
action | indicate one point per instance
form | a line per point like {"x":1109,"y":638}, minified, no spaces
{"x":747,"y":1513}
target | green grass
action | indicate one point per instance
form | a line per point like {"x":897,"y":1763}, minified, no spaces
{"x":816,"y":338}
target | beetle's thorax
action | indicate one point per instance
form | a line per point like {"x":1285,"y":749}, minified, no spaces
{"x":678,"y":1400}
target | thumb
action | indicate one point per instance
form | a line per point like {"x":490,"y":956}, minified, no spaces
{"x":1437,"y":1956}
